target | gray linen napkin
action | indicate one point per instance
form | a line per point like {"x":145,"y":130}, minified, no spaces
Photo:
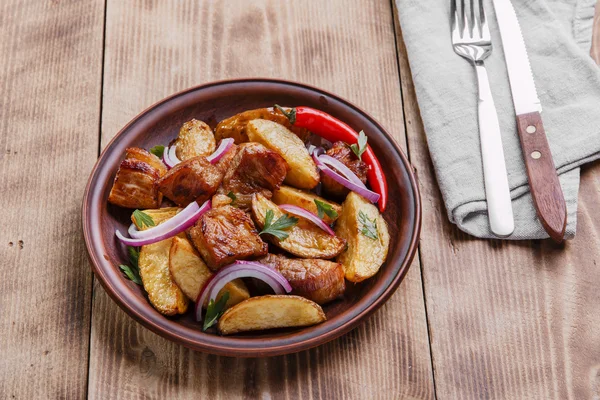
{"x":557,"y":34}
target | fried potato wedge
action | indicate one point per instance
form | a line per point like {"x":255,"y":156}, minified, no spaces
{"x":164,"y":295}
{"x":304,"y":239}
{"x":235,"y":127}
{"x":318,"y":280}
{"x":153,"y":262}
{"x":268,"y":312}
{"x":190,"y":273}
{"x":303,"y":172}
{"x":158,"y":215}
{"x":364,"y":255}
{"x":195,"y":139}
{"x":306,"y":200}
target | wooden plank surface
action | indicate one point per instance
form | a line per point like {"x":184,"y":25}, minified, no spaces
{"x":156,"y":48}
{"x":508,"y":320}
{"x":50,"y":79}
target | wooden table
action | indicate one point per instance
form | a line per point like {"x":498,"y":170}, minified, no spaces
{"x":473,"y":319}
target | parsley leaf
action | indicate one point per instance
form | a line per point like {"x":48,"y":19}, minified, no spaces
{"x":215,"y":310}
{"x":142,"y":219}
{"x":158,"y":150}
{"x":369,"y":228}
{"x":132,"y":273}
{"x":232,"y":196}
{"x":325,"y":209}
{"x":278,"y":227}
{"x":360,"y":148}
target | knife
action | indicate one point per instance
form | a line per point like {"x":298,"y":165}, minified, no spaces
{"x":543,"y":181}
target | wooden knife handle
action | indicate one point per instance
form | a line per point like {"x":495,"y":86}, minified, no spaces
{"x":543,"y":181}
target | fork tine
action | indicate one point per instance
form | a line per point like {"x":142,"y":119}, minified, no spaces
{"x":465,"y":21}
{"x":485,"y":30}
{"x":472,"y":19}
{"x":455,"y":21}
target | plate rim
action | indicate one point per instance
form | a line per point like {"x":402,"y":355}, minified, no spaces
{"x":292,"y":347}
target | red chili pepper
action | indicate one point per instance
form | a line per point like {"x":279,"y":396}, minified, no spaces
{"x":332,"y":129}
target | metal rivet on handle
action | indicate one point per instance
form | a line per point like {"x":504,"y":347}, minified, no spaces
{"x":530,"y":129}
{"x":535,"y":155}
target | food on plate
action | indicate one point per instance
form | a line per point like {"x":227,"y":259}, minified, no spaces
{"x":135,"y":185}
{"x":254,"y":169}
{"x":366,"y":233}
{"x":213,"y":223}
{"x":225,"y":234}
{"x":321,"y":281}
{"x":235,"y":127}
{"x":195,"y":139}
{"x":303,"y":172}
{"x":195,"y":179}
{"x":342,"y":153}
{"x":190,"y":273}
{"x":268,"y":312}
{"x":302,"y":239}
{"x":325,"y":209}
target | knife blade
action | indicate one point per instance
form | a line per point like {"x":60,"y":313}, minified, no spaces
{"x":543,"y":180}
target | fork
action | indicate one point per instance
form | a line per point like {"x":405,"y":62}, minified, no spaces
{"x":471,"y":40}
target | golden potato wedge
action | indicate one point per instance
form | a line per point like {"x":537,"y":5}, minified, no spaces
{"x":268,"y":312}
{"x":163,"y":293}
{"x":305,"y":239}
{"x":153,"y":263}
{"x":158,"y":215}
{"x":190,"y":273}
{"x":195,"y":139}
{"x":235,"y":127}
{"x":303,"y":172}
{"x":306,"y":200}
{"x":364,"y":255}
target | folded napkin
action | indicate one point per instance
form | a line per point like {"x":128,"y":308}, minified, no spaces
{"x":557,"y":34}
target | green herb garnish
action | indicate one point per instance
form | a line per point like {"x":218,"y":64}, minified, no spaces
{"x":215,"y":310}
{"x":142,"y":219}
{"x":325,"y":209}
{"x":278,"y":227}
{"x":360,"y":148}
{"x":132,"y":271}
{"x":369,"y":228}
{"x":232,"y":196}
{"x":158,"y":150}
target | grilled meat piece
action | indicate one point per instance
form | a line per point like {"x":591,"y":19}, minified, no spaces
{"x":135,"y":185}
{"x":195,"y":179}
{"x":318,"y":280}
{"x":235,"y":127}
{"x":254,"y":169}
{"x":341,"y":152}
{"x":225,"y":234}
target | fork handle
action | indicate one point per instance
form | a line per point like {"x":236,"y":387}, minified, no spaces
{"x":497,"y":191}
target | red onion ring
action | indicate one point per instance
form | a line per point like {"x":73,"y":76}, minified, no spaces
{"x":170,"y":157}
{"x":223,"y":148}
{"x":359,"y":189}
{"x":169,"y":229}
{"x":341,"y":168}
{"x":308,"y":215}
{"x":240,"y":269}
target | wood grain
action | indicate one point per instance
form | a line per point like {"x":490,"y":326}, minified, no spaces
{"x":50,"y":79}
{"x":156,"y":48}
{"x":543,"y":180}
{"x":508,"y":320}
{"x":595,"y":48}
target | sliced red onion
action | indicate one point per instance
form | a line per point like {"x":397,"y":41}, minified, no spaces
{"x":341,"y":168}
{"x":311,"y":148}
{"x":241,"y":269}
{"x":223,"y":148}
{"x":360,"y":189}
{"x":170,"y":157}
{"x":308,"y":215}
{"x":170,"y":228}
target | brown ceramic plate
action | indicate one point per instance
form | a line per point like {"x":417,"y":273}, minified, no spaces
{"x":212,"y":103}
